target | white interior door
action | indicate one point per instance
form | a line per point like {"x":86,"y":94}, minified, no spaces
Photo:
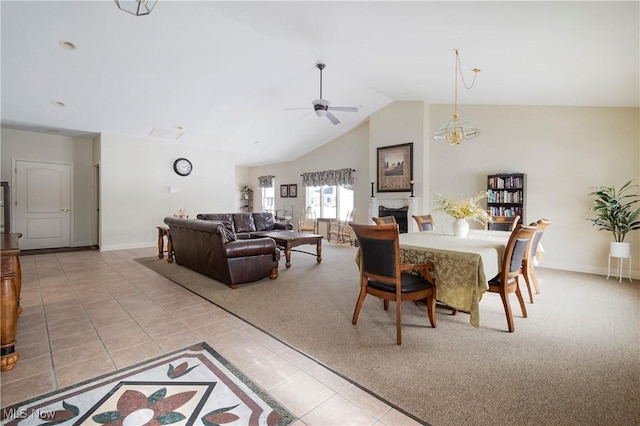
{"x":42,"y":211}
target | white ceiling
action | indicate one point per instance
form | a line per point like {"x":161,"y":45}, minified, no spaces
{"x":227,"y":71}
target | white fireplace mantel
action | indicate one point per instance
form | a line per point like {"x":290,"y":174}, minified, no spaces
{"x":394,"y":203}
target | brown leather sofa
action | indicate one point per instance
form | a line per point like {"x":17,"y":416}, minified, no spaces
{"x":209,"y":248}
{"x":243,"y":224}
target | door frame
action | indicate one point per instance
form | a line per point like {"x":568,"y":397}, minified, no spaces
{"x":14,"y":190}
{"x":96,"y":216}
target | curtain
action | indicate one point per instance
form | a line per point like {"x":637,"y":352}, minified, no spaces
{"x":344,"y":177}
{"x":265,"y":181}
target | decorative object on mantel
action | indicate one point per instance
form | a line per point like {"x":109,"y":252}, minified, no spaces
{"x":411,"y":183}
{"x":372,"y":182}
{"x":137,"y":7}
{"x":462,"y":209}
{"x":182,"y":213}
{"x":616,"y":213}
{"x":457,"y":130}
{"x":395,"y":168}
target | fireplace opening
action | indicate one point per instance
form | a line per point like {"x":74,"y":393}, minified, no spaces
{"x":400,"y":213}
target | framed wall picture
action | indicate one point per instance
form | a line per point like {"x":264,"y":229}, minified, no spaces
{"x":293,"y":190}
{"x":284,"y":191}
{"x":395,"y":168}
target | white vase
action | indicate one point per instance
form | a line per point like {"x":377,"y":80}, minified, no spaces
{"x":461,"y":228}
{"x":619,"y":249}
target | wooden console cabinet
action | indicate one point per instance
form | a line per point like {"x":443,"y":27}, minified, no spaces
{"x":10,"y":285}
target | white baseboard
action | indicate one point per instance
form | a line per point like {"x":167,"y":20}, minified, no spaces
{"x":111,"y":247}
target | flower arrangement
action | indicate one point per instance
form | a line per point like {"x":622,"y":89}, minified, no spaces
{"x":463,"y":208}
{"x":182,"y":213}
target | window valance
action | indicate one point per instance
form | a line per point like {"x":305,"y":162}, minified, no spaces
{"x":265,"y":181}
{"x":344,"y":177}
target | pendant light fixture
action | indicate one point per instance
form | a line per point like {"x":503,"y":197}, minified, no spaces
{"x":457,"y":130}
{"x":136,"y":7}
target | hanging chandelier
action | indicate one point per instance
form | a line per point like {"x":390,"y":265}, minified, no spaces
{"x":457,"y":130}
{"x":136,"y":7}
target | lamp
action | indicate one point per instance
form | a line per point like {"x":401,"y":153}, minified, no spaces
{"x":457,"y":130}
{"x":136,"y":7}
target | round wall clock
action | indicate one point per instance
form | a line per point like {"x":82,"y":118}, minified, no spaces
{"x":182,"y":166}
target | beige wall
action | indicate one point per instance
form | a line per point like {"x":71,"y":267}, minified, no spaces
{"x":563,"y":150}
{"x":348,"y":151}
{"x":136,"y":175}
{"x":77,"y":152}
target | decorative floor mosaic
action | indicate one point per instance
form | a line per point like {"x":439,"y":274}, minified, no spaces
{"x":194,"y":386}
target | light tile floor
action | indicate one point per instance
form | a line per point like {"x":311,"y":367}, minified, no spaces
{"x":90,"y":313}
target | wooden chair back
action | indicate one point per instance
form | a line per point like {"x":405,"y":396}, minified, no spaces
{"x":424,"y":222}
{"x":503,"y":223}
{"x":528,"y":270}
{"x":384,"y":220}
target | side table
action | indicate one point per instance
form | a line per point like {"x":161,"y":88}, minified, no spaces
{"x":163,"y":231}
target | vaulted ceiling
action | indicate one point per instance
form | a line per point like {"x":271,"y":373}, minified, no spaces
{"x":225,"y":74}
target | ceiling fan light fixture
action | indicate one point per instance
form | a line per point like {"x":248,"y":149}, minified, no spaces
{"x":136,"y":7}
{"x":457,"y":130}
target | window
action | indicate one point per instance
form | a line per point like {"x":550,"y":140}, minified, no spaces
{"x":329,"y":201}
{"x":268,"y":199}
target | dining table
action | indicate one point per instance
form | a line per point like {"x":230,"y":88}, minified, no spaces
{"x":462,"y":265}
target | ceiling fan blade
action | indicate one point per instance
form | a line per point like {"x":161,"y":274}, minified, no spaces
{"x":291,"y":109}
{"x":345,"y":109}
{"x":332,"y":118}
{"x":306,"y":115}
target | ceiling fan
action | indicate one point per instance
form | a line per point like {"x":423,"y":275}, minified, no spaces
{"x":321,"y":106}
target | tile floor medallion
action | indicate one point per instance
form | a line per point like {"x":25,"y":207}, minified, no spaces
{"x":193,"y":386}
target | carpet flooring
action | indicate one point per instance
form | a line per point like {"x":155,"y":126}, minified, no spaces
{"x":573,"y":361}
{"x":193,"y":386}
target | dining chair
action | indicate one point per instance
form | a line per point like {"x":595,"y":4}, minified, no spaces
{"x":383,"y":276}
{"x":308,"y":221}
{"x":337,"y":228}
{"x":384,"y":220}
{"x":506,"y":282}
{"x":528,"y":270}
{"x":425,"y":222}
{"x":502,"y":223}
{"x":346,"y":231}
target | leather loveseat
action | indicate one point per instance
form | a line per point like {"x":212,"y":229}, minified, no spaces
{"x":243,"y":224}
{"x":209,"y":248}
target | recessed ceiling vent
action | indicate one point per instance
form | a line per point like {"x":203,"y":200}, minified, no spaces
{"x":165,"y":133}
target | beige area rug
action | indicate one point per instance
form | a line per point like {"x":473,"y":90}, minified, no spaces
{"x":574,"y":361}
{"x":192,"y":386}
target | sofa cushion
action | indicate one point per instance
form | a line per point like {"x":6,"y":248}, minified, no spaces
{"x":219,"y":217}
{"x":243,"y":222}
{"x":229,"y":234}
{"x":264,"y":221}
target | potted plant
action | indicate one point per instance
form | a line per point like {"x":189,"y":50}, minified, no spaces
{"x":462,"y":209}
{"x":616,"y":212}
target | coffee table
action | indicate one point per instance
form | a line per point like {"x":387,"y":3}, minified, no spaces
{"x":288,"y":239}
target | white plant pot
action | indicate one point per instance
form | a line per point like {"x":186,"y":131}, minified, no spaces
{"x":620,"y":249}
{"x":460,"y":228}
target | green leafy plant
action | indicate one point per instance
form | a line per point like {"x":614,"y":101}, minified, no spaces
{"x":615,"y":210}
{"x":463,"y":208}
